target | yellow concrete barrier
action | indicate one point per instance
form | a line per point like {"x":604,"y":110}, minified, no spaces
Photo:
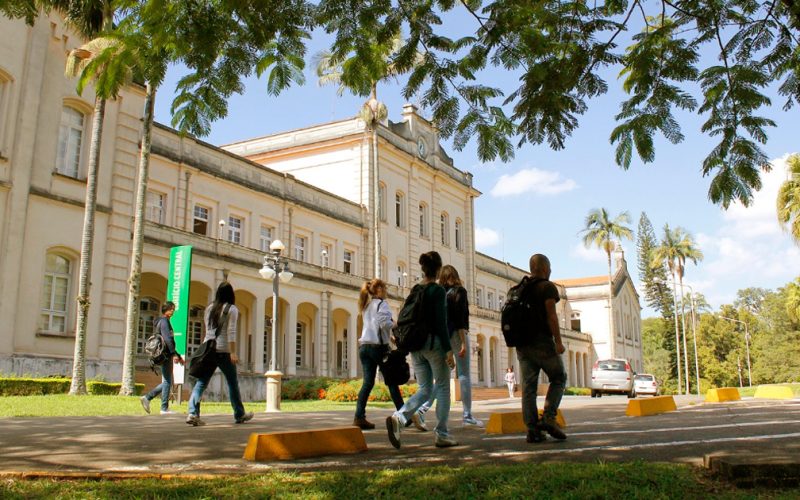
{"x":510,"y":422}
{"x":650,"y":406}
{"x":774,"y":392}
{"x":289,"y":445}
{"x":723,"y":394}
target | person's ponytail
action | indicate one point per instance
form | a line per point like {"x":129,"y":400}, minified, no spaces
{"x":363,"y":297}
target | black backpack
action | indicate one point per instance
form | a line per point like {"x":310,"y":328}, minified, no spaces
{"x":518,"y":315}
{"x":413,"y":328}
{"x":156,"y":348}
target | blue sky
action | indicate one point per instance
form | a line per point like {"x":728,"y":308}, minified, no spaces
{"x":538,"y":201}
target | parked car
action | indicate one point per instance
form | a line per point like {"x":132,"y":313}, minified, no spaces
{"x":644,"y":383}
{"x":612,"y":376}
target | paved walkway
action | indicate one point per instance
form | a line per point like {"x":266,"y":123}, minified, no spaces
{"x":597,"y":428}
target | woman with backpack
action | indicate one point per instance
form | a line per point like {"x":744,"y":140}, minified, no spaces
{"x":458,"y":326}
{"x":221,"y":317}
{"x":373,"y":345}
{"x":164,"y":328}
{"x":434,"y":360}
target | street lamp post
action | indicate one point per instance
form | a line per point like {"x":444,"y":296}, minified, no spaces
{"x":694,"y":335}
{"x":747,"y":346}
{"x":276,"y":269}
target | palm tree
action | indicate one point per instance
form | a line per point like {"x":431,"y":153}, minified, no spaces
{"x":788,"y":201}
{"x":601,"y":231}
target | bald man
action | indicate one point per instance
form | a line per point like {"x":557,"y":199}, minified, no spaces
{"x":542,"y":352}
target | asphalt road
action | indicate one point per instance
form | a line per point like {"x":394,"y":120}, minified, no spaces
{"x":597,"y":429}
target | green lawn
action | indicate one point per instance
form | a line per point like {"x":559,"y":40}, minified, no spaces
{"x":548,"y":480}
{"x":77,"y":406}
{"x":750,"y":391}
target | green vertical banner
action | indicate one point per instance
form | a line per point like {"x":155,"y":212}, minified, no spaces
{"x":180,"y":276}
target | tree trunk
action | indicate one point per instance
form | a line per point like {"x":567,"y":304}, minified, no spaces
{"x":134,"y":280}
{"x":78,"y":384}
{"x":683,"y":322}
{"x":677,"y":335}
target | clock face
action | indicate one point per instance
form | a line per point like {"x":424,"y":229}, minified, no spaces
{"x":421,"y":149}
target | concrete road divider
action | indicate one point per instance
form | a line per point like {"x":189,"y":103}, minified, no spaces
{"x":289,"y":445}
{"x":774,"y":392}
{"x":511,"y":422}
{"x":650,"y":406}
{"x":723,"y":394}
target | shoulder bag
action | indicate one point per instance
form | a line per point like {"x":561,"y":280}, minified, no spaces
{"x":204,"y":361}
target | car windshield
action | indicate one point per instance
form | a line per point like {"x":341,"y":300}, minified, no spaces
{"x":644,"y":377}
{"x":611,"y":364}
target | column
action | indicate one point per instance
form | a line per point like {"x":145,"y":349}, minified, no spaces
{"x":486,"y":366}
{"x":290,"y":334}
{"x":259,"y":336}
{"x":324,"y":334}
{"x":352,"y":350}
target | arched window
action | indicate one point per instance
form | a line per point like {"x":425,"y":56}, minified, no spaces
{"x":402,"y":275}
{"x":399,"y":209}
{"x":149,"y":311}
{"x":459,"y":235}
{"x":56,"y":289}
{"x":70,"y":141}
{"x":445,"y":228}
{"x":300,"y":345}
{"x":197,"y":329}
{"x":423,"y":219}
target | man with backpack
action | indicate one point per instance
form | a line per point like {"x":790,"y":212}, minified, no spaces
{"x":164,"y":328}
{"x":530,"y":324}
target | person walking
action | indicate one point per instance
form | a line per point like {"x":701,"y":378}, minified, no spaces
{"x":542,"y":351}
{"x":458,"y":328}
{"x":221,"y":317}
{"x":511,"y":381}
{"x":432,"y":362}
{"x":373,"y":345}
{"x":164,"y":328}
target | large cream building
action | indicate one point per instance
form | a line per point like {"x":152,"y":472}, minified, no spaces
{"x":348,"y":201}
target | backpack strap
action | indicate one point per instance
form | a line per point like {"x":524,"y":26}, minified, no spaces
{"x":380,"y":334}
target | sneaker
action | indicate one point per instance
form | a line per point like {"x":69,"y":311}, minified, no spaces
{"x":472,"y":421}
{"x":536,"y":436}
{"x":245,"y":418}
{"x":393,"y":427}
{"x":168,"y":412}
{"x":145,"y":403}
{"x":445,"y":441}
{"x":363,"y":424}
{"x":418,"y":419}
{"x":194,"y":420}
{"x":552,"y":428}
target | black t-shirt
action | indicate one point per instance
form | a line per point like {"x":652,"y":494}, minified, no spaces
{"x":538,"y":292}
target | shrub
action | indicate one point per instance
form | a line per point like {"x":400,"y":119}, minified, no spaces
{"x":342,"y":392}
{"x":577,"y":391}
{"x":33,"y":386}
{"x":408,"y":390}
{"x":99,"y":388}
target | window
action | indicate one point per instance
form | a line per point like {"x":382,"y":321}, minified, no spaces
{"x":149,"y":312}
{"x":445,"y":221}
{"x":201,"y":216}
{"x":235,"y":230}
{"x":265,"y":238}
{"x":325,"y":255}
{"x":490,"y":300}
{"x":197,"y":329}
{"x":382,"y":201}
{"x":501,"y":301}
{"x":423,"y":216}
{"x":70,"y":138}
{"x":459,"y":235}
{"x":298,"y":345}
{"x":479,"y":298}
{"x":55,"y":293}
{"x":399,"y":203}
{"x":348,"y":262}
{"x":300,"y":248}
{"x":155,"y":206}
{"x":402,"y":276}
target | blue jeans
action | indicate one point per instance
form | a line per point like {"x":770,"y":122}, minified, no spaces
{"x":228,"y":369}
{"x":464,"y":379}
{"x":164,"y":387}
{"x":371,"y":356}
{"x":430,"y":365}
{"x":531,"y":360}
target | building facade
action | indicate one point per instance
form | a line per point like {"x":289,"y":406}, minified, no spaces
{"x":349,"y":201}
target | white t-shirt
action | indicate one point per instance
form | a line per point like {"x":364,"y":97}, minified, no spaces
{"x":377,"y":318}
{"x":229,"y":333}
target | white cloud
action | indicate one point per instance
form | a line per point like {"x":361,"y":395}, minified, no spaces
{"x":532,"y":180}
{"x":485,"y":237}
{"x":592,"y":254}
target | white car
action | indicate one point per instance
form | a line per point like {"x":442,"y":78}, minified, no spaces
{"x":612,"y":376}
{"x":644,"y":383}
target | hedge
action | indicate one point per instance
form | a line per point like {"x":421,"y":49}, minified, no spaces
{"x":41,"y":386}
{"x":348,"y":391}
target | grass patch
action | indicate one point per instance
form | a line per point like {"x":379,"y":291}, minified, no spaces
{"x":63,"y":405}
{"x":549,"y":480}
{"x":751,"y":391}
